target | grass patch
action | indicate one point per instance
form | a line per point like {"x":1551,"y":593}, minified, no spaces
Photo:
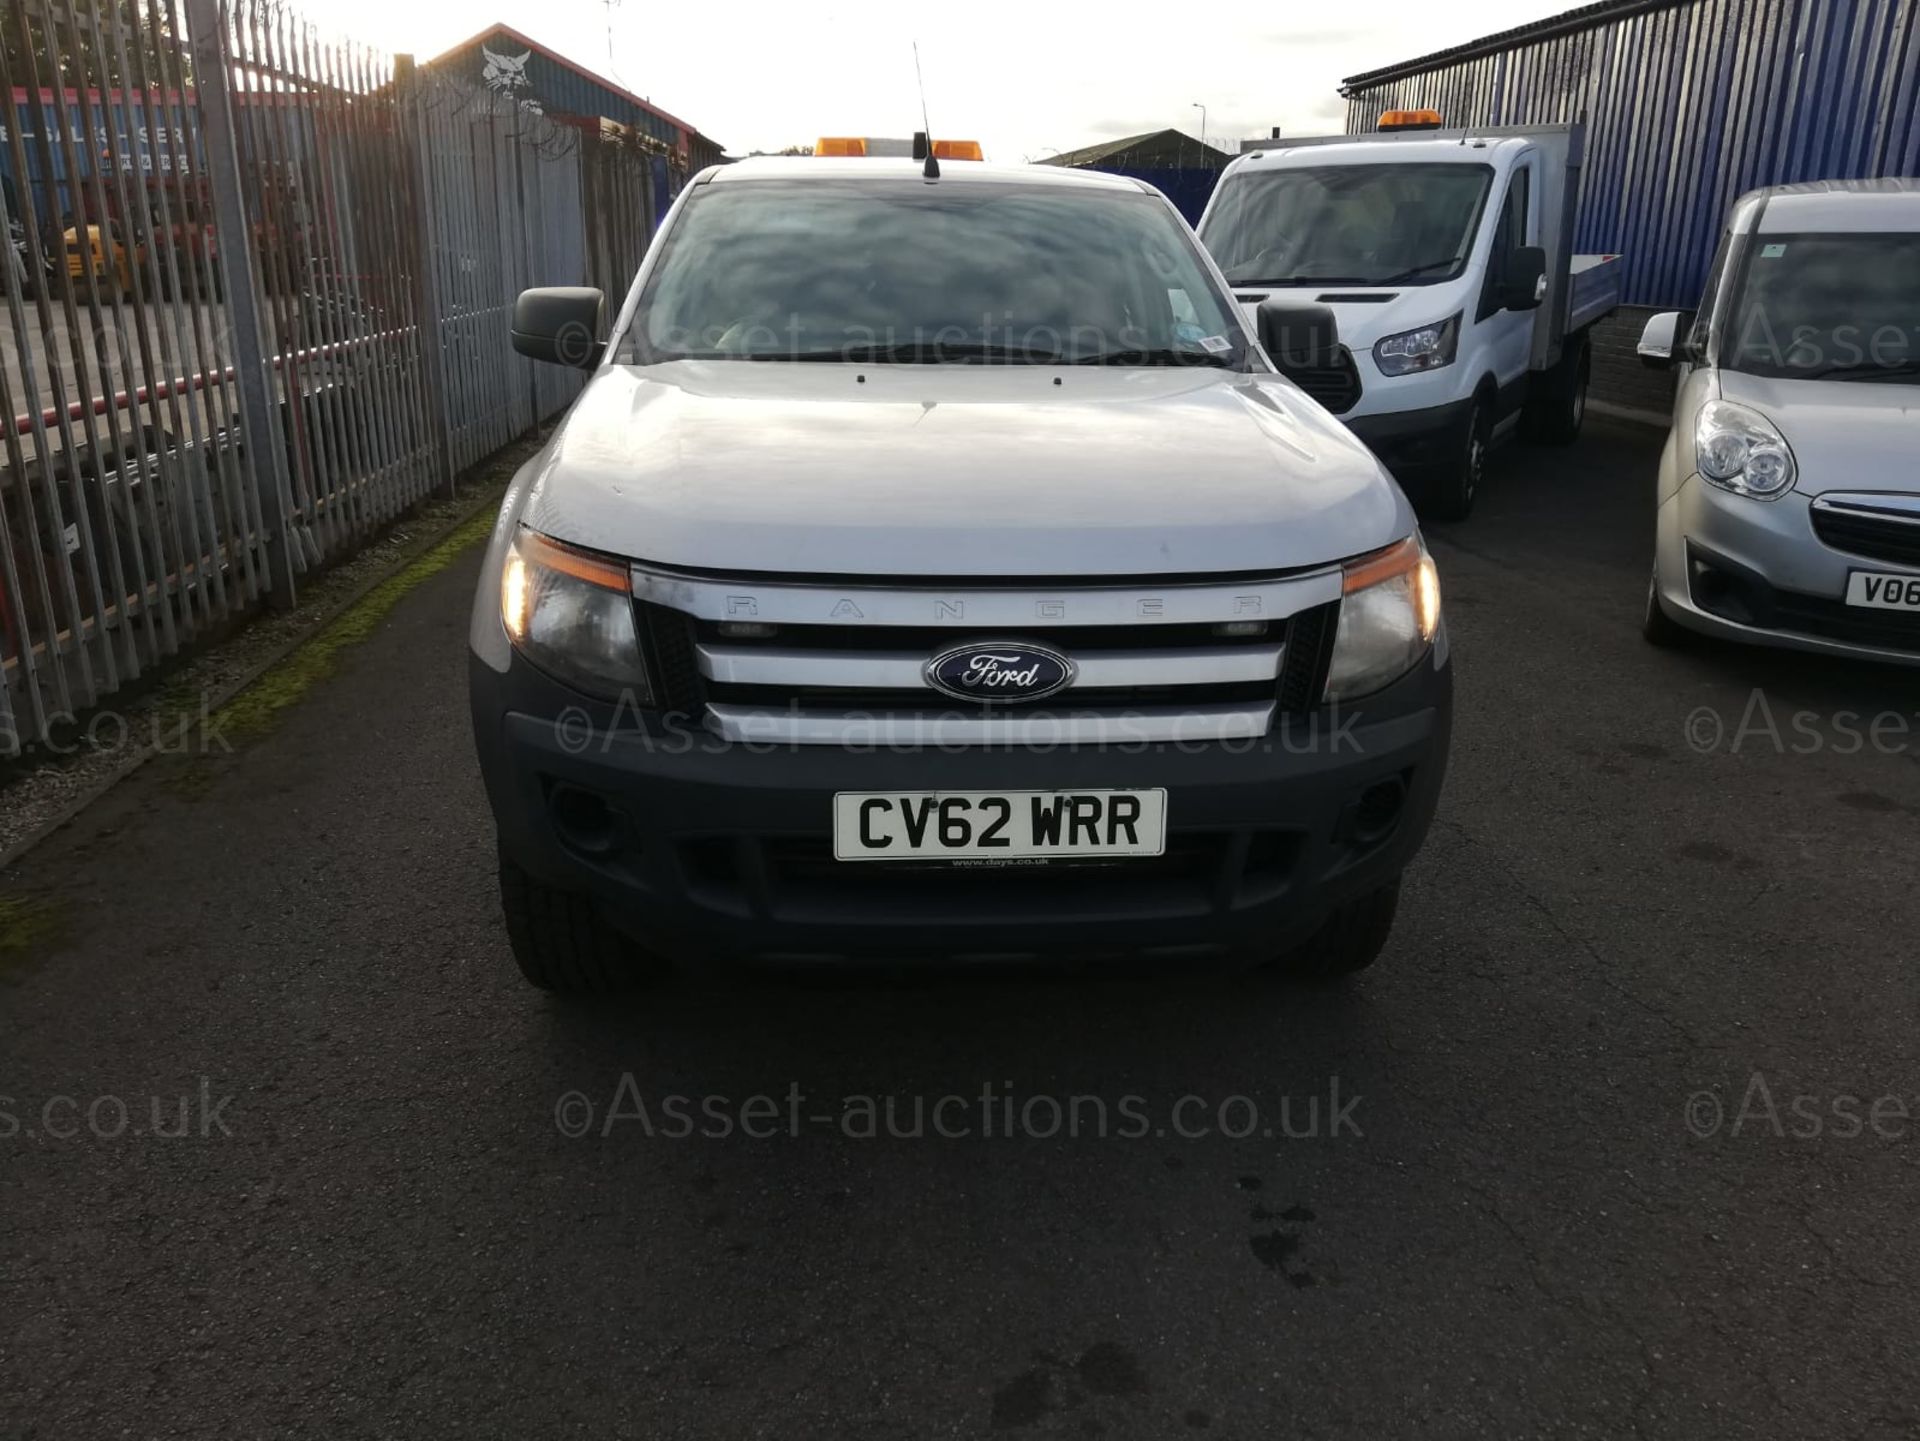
{"x":29,"y":926}
{"x":255,"y":710}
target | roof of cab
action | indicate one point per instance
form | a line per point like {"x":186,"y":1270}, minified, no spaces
{"x":802,"y":167}
{"x":1833,"y":205}
{"x":1372,"y":150}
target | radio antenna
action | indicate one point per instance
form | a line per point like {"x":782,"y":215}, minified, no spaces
{"x":932,"y":171}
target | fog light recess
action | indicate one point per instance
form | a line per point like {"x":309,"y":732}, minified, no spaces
{"x":584,"y":820}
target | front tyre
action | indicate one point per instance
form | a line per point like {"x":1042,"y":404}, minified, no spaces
{"x":561,"y":941}
{"x":1557,"y":398}
{"x":1348,"y":941}
{"x":1456,"y":486}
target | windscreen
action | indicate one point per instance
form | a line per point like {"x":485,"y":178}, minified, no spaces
{"x":919,"y":273}
{"x":1410,"y":224}
{"x":1827,"y":307}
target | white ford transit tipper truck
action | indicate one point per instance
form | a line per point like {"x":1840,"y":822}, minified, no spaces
{"x":935,"y":563}
{"x":1446,"y":260}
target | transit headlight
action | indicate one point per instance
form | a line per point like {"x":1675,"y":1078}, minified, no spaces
{"x":1739,"y":449}
{"x":570,"y":612}
{"x":1428,"y":348}
{"x":1389,"y":615}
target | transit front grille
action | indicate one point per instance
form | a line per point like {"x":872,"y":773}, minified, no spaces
{"x":809,"y":663}
{"x":1335,"y":386}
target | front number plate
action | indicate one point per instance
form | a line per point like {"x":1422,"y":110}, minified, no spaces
{"x":997,"y":825}
{"x":1882,"y":591}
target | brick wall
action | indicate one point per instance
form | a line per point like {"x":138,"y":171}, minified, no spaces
{"x":1621,"y":385}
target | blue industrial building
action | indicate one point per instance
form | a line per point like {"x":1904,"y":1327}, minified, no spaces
{"x":503,"y":60}
{"x":1180,"y":166}
{"x":1687,"y":104}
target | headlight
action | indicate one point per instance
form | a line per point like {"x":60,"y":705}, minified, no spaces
{"x":1427,"y":348}
{"x":1738,"y":449}
{"x":1389,"y":615}
{"x":570,"y":612}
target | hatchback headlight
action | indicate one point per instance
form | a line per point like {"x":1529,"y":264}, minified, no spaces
{"x":1738,"y":449}
{"x":570,"y":612}
{"x":1428,"y":348}
{"x":1389,"y":615}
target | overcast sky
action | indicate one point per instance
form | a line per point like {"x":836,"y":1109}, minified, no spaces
{"x":1025,"y":79}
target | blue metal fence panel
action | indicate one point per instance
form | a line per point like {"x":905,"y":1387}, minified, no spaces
{"x":1687,"y":106}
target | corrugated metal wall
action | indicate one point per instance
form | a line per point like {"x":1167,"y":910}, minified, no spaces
{"x":1688,"y":107}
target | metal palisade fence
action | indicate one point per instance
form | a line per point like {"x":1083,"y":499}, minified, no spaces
{"x":257,"y":300}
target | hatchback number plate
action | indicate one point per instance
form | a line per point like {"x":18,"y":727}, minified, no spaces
{"x":1882,"y":591}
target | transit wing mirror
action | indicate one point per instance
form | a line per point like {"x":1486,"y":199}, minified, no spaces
{"x":560,"y":324}
{"x":1524,"y":285}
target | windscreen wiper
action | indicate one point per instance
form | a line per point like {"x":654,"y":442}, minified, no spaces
{"x":911,"y":352}
{"x":1305,"y":280}
{"x":927,"y":352}
{"x":1221,"y":361}
{"x":1859,"y":370}
{"x":1416,"y":271}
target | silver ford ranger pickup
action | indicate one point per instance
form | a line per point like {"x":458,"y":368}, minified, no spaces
{"x":937,"y":564}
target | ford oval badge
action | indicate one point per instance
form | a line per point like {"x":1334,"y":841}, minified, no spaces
{"x":999,"y":673}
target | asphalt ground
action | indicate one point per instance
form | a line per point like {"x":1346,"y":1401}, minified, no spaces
{"x":1617,"y":1138}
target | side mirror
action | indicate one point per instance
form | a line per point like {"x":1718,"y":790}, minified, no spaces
{"x":560,"y":324}
{"x":1298,"y":336}
{"x":1524,"y":285}
{"x":1664,"y":340}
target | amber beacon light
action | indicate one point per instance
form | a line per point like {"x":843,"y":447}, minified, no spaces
{"x":1410,"y":120}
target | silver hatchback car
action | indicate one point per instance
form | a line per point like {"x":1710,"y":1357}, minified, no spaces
{"x":1789,"y":493}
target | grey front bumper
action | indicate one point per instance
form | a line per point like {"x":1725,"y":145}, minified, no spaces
{"x":723,"y":850}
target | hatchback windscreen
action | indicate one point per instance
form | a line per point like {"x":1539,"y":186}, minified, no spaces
{"x":967,"y":271}
{"x":1347,"y":224}
{"x":1827,"y":307}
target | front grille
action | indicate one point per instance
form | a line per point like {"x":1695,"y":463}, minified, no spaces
{"x":1249,"y":667}
{"x":672,"y":660}
{"x":797,"y":879}
{"x":1303,"y":679}
{"x":1336,"y":386}
{"x":1892,"y":540}
{"x":813,"y":662}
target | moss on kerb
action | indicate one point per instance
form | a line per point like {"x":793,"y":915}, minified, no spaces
{"x":30,"y":927}
{"x":255,"y":710}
